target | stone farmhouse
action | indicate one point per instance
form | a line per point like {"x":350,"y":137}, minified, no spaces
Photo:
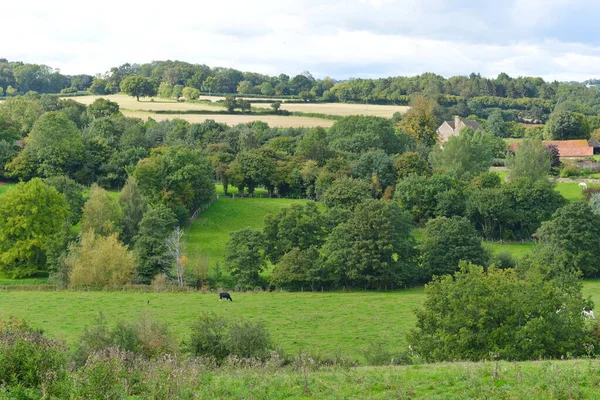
{"x":452,"y":128}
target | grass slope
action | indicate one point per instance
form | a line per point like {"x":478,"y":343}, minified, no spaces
{"x":325,"y":323}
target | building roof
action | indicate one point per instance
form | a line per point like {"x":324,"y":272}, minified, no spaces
{"x":473,"y":124}
{"x":593,"y":142}
{"x":566,"y":148}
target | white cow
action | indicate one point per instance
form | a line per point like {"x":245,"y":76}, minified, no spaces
{"x":588,"y":313}
{"x":583,"y":185}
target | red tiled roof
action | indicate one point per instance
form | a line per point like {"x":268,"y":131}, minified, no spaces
{"x":566,"y":148}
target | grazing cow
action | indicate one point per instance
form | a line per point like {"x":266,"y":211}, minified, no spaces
{"x":588,"y":313}
{"x":225,"y":296}
{"x":583,"y":185}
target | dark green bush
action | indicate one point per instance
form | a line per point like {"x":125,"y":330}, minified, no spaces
{"x":218,"y":337}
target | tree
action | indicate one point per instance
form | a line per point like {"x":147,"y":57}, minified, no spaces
{"x":276,"y":106}
{"x":191,"y":93}
{"x":573,"y":236}
{"x":137,"y":86}
{"x":313,"y":146}
{"x":101,"y":213}
{"x":375,"y":164}
{"x":150,"y":244}
{"x":447,"y":241}
{"x":252,"y":168}
{"x":463,"y":156}
{"x":178,"y":92}
{"x":73,"y":193}
{"x":102,"y":108}
{"x":298,"y":269}
{"x":244,"y":105}
{"x":420,"y":194}
{"x":419,"y":122}
{"x":346,"y":193}
{"x":298,"y":226}
{"x":100,"y":261}
{"x":475,"y":315}
{"x":531,"y":160}
{"x":54,"y":147}
{"x":565,"y":125}
{"x":244,"y":257}
{"x":359,"y":133}
{"x":411,"y":163}
{"x":267,"y":89}
{"x":30,"y":215}
{"x":165,"y":91}
{"x":175,"y":251}
{"x":373,"y":248}
{"x":496,"y":125}
{"x":230,"y":103}
{"x":22,"y":112}
{"x":133,"y":206}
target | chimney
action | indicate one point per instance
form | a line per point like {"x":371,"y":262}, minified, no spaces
{"x":456,"y":121}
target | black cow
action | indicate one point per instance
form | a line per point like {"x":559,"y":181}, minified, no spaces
{"x":225,"y":296}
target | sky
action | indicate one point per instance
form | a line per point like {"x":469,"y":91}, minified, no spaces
{"x":554,"y":39}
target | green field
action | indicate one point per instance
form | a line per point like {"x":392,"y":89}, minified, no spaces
{"x":207,"y":236}
{"x":570,"y":190}
{"x":5,"y":187}
{"x":326,"y":323}
{"x":517,"y":250}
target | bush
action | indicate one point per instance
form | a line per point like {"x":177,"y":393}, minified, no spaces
{"x":588,"y":192}
{"x":144,"y":337}
{"x":28,"y":360}
{"x":568,"y":171}
{"x":377,"y":354}
{"x":217,"y":337}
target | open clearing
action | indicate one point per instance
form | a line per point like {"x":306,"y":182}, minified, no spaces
{"x":326,"y":323}
{"x":129,"y":103}
{"x":342,"y":109}
{"x":235,"y":119}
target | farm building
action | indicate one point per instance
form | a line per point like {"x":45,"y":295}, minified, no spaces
{"x":452,"y":128}
{"x":569,"y":148}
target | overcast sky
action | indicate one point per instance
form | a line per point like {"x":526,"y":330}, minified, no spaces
{"x":555,"y":39}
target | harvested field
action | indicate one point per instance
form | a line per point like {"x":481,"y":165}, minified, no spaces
{"x":129,"y":103}
{"x":342,"y":109}
{"x":234,"y":119}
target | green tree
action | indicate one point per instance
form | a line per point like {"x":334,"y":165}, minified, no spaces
{"x":54,"y":147}
{"x":244,"y":257}
{"x":373,"y":247}
{"x":359,"y":133}
{"x":375,"y":164}
{"x":22,"y":112}
{"x":475,"y":315}
{"x":565,"y":125}
{"x":420,"y":194}
{"x":496,"y":125}
{"x":101,"y":213}
{"x":30,"y":215}
{"x":346,"y":193}
{"x":165,"y":91}
{"x":447,"y":241}
{"x":191,"y":93}
{"x":73,"y":193}
{"x":133,"y":206}
{"x":230,"y":103}
{"x":420,"y":122}
{"x":267,"y":89}
{"x":531,"y":160}
{"x":137,"y":86}
{"x":299,"y":269}
{"x":411,"y":163}
{"x":298,"y":226}
{"x":177,"y":92}
{"x":252,"y":168}
{"x":150,"y":244}
{"x":102,"y":108}
{"x":463,"y":156}
{"x":573,"y":237}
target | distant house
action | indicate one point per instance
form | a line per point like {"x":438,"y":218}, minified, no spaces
{"x":452,"y":128}
{"x":569,"y":148}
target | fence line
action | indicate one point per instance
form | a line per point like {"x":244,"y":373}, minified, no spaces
{"x":202,"y":208}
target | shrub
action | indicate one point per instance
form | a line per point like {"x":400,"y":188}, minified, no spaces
{"x":376,"y":353}
{"x":568,"y":171}
{"x":217,"y":337}
{"x":144,"y":337}
{"x":29,"y":360}
{"x":106,"y":375}
{"x":588,"y":192}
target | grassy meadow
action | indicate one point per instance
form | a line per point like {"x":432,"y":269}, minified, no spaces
{"x":328,"y":323}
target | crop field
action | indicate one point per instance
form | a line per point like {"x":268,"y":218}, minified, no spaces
{"x":129,"y":103}
{"x":341,"y":109}
{"x":279,"y":121}
{"x":327,"y":323}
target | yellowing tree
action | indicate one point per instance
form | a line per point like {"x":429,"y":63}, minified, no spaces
{"x":420,"y":122}
{"x":98,"y":261}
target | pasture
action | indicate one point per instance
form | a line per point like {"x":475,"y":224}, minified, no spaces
{"x":278,"y":121}
{"x":326,"y":323}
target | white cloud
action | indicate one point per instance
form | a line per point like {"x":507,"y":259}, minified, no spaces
{"x":338,"y":38}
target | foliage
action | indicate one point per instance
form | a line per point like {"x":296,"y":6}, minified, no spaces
{"x":411,"y":163}
{"x":298,"y":226}
{"x":100,"y":261}
{"x":102,"y":108}
{"x":244,"y":257}
{"x":346,"y":193}
{"x":101,"y":213}
{"x":373,"y":247}
{"x":219,"y":337}
{"x":300,"y":268}
{"x":73,"y":193}
{"x":496,"y":125}
{"x":464,"y":156}
{"x":30,"y":215}
{"x":531,"y":160}
{"x":419,"y":194}
{"x":358,"y":134}
{"x":375,"y":165}
{"x":150,"y":243}
{"x":565,"y":125}
{"x":133,"y":206}
{"x":420,"y":122}
{"x":573,"y":235}
{"x":476,"y":315}
{"x":447,"y":241}
{"x":137,"y":86}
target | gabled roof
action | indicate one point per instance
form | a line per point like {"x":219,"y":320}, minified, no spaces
{"x":593,"y":142}
{"x":473,"y":124}
{"x":566,"y":148}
